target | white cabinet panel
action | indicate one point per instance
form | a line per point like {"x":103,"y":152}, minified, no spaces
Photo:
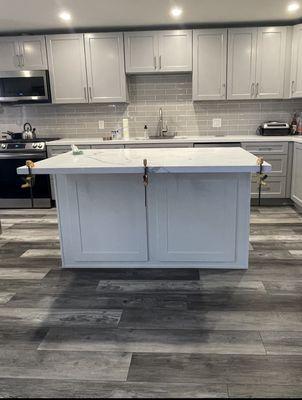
{"x":33,"y":52}
{"x":67,"y":70}
{"x":105,"y":67}
{"x":242,"y":45}
{"x":175,"y":50}
{"x":297,"y":175}
{"x":117,"y":231}
{"x":9,"y":54}
{"x":141,"y":51}
{"x":296,"y":63}
{"x":270,"y":65}
{"x":181,"y":209}
{"x":209,"y":64}
{"x":275,"y":188}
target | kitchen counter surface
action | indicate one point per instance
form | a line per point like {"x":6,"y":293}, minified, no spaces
{"x":164,"y":160}
{"x":177,"y":139}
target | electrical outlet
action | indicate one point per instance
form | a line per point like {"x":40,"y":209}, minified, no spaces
{"x":216,"y":122}
{"x":101,"y":125}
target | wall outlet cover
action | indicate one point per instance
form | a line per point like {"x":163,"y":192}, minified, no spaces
{"x":216,"y":122}
{"x":101,"y":125}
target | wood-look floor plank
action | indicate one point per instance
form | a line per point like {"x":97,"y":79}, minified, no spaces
{"x":52,"y":388}
{"x":41,"y":253}
{"x":153,"y":341}
{"x":208,"y":369}
{"x":23,"y":273}
{"x":266,"y":391}
{"x":18,"y":337}
{"x":64,"y":365}
{"x":288,"y":343}
{"x":5,"y":297}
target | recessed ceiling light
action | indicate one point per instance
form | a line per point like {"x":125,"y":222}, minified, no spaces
{"x":65,"y":16}
{"x":293,"y":7}
{"x":176,"y":12}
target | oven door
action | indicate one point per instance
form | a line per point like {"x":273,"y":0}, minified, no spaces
{"x":12,"y":195}
{"x":24,"y":86}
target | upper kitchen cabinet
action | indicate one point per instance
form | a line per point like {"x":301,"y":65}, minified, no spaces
{"x":67,"y":69}
{"x":242,"y":48}
{"x":209,"y":64}
{"x":256,"y":63}
{"x":296,"y":63}
{"x":105,"y":67}
{"x":270,"y":63}
{"x":158,"y":51}
{"x":23,"y":53}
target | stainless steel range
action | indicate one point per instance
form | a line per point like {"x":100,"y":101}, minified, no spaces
{"x":14,"y":193}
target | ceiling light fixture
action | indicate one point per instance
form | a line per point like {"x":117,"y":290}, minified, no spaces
{"x":293,"y":7}
{"x":176,"y":12}
{"x":65,"y":16}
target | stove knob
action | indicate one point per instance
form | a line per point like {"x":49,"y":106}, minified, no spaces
{"x":3,"y":146}
{"x":34,"y":145}
{"x":40,"y":145}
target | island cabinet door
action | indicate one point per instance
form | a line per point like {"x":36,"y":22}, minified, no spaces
{"x":194,"y":217}
{"x":103,"y":217}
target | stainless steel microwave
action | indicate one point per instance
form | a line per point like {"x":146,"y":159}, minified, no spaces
{"x":24,"y":87}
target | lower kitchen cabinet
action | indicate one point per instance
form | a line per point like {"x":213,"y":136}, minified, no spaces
{"x":296,"y":194}
{"x":275,"y":188}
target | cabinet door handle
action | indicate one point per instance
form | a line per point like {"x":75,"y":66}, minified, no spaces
{"x":223,"y":90}
{"x":90,"y":92}
{"x":159,"y":62}
{"x":85,"y":92}
{"x":292,"y":87}
{"x":257,"y":89}
{"x":18,"y":60}
{"x":22,"y":60}
{"x":252,"y":89}
{"x":154,"y":60}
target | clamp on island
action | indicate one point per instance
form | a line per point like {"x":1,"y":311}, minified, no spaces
{"x":153,"y":208}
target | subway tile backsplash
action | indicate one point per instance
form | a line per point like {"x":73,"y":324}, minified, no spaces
{"x":147,"y":93}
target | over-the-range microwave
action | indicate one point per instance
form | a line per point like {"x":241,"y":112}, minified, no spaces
{"x":24,"y":87}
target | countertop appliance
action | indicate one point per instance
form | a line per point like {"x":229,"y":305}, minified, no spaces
{"x":24,"y":87}
{"x":13,"y":154}
{"x":274,"y":128}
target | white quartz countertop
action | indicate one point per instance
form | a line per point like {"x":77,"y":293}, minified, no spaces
{"x":164,"y":160}
{"x":177,"y":139}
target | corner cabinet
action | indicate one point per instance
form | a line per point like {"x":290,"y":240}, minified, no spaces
{"x":158,"y":51}
{"x":209,"y":64}
{"x":67,"y":68}
{"x":296,"y":195}
{"x":296,"y":63}
{"x":257,"y":63}
{"x":87,"y":68}
{"x":23,"y":53}
{"x":105,"y":67}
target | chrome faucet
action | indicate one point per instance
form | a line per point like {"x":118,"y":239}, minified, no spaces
{"x":161,"y":130}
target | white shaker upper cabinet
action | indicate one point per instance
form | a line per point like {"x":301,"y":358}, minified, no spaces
{"x":242,"y":47}
{"x":67,"y":70}
{"x":175,"y":51}
{"x":296,"y":64}
{"x":209,"y":64}
{"x":270,"y":65}
{"x":141,"y":51}
{"x":33,"y":52}
{"x":105,"y":67}
{"x":9,"y":50}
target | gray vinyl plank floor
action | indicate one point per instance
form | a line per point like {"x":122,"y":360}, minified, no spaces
{"x":143,"y":333}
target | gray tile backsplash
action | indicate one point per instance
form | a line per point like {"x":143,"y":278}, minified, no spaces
{"x":146,"y":94}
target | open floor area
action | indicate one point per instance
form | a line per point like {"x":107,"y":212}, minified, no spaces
{"x":150,"y":332}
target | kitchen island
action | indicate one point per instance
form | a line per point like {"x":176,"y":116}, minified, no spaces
{"x":186,"y":208}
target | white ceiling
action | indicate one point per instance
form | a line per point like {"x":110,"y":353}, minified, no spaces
{"x":42,"y":15}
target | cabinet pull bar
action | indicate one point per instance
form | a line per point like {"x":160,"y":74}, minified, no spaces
{"x":154,"y":60}
{"x":90,"y":92}
{"x":159,"y":62}
{"x":257,"y":89}
{"x":292,"y":88}
{"x":85,"y":92}
{"x":22,"y":60}
{"x":18,"y":60}
{"x":252,"y":89}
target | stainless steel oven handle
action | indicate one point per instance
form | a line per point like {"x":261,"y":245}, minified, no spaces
{"x":17,"y":156}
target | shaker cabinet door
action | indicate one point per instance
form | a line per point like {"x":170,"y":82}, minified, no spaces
{"x":209,"y":64}
{"x":175,"y":51}
{"x":141,"y":51}
{"x":67,"y":69}
{"x":105,"y":67}
{"x":33,"y":52}
{"x":296,"y":64}
{"x":270,"y":66}
{"x":242,"y":46}
{"x":10,"y":59}
{"x":297,"y":175}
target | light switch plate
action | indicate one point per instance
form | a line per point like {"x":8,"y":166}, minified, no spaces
{"x":216,"y":122}
{"x":101,"y":125}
